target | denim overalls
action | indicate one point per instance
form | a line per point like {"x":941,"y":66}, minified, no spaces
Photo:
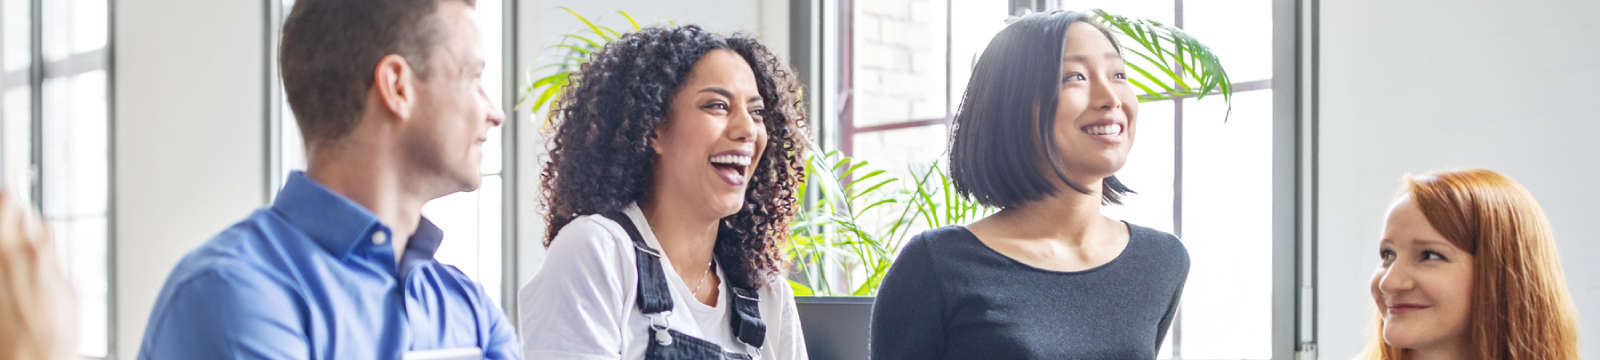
{"x":656,"y":302}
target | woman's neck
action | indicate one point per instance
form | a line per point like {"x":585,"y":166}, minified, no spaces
{"x":1450,"y":350}
{"x":687,"y":239}
{"x":1068,"y":216}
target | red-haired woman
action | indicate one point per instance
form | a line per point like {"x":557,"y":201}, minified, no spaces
{"x":1470,"y":271}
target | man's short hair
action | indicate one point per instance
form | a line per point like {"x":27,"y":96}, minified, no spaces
{"x":331,"y":49}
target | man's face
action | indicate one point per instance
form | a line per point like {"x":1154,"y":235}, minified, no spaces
{"x":444,"y":137}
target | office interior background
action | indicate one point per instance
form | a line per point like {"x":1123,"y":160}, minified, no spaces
{"x":143,"y":127}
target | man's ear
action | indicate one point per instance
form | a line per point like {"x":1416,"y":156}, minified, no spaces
{"x":395,"y":83}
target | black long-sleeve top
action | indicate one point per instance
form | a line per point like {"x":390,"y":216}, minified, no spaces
{"x":949,"y":296}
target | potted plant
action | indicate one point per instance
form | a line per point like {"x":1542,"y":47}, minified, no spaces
{"x":856,"y":217}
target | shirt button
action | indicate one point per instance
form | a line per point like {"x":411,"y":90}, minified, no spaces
{"x":380,"y":238}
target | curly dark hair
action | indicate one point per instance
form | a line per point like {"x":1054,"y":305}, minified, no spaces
{"x":600,"y":154}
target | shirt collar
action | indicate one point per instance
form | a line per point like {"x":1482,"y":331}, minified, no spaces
{"x":339,"y":224}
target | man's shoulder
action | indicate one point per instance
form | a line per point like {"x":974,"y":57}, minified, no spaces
{"x":253,"y":246}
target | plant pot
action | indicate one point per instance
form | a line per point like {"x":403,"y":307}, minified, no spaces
{"x":835,"y":327}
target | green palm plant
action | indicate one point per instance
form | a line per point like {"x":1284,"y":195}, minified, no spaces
{"x":837,"y":236}
{"x":572,"y":52}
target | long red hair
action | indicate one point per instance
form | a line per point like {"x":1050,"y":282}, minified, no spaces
{"x":1520,"y":305}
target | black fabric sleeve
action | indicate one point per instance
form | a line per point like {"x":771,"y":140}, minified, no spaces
{"x":1166,"y":320}
{"x":908,"y":315}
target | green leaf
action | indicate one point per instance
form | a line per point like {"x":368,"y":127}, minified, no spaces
{"x":575,"y":48}
{"x":586,"y":22}
{"x":549,"y":92}
{"x":592,"y":43}
{"x":630,"y":20}
{"x":800,"y":289}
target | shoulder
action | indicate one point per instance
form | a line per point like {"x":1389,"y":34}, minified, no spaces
{"x":938,"y":240}
{"x":1164,"y":246}
{"x":590,"y":234}
{"x":777,"y":291}
{"x":202,"y":288}
{"x":242,"y":252}
{"x":1160,"y":239}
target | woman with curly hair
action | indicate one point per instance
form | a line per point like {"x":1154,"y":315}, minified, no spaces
{"x":1468,"y":270}
{"x":672,"y":176}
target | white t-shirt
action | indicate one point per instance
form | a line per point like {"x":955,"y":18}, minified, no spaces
{"x":583,"y":303}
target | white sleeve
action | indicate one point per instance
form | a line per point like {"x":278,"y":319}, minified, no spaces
{"x":576,"y":306}
{"x":785,"y":337}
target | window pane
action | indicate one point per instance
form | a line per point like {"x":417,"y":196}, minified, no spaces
{"x":457,"y":214}
{"x":1238,"y":31}
{"x":81,"y":242}
{"x":75,"y":160}
{"x":57,"y":26}
{"x":975,"y":23}
{"x":75,"y":157}
{"x":17,"y":104}
{"x":88,"y":24}
{"x":14,"y":16}
{"x":894,"y":150}
{"x":899,"y":65}
{"x":74,"y":175}
{"x":1156,"y":10}
{"x":489,"y":235}
{"x":1227,"y":226}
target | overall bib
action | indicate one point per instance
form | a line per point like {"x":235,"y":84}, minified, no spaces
{"x":655,"y":301}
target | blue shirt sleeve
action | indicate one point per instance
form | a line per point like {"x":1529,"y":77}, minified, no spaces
{"x":227,"y":313}
{"x":503,"y":344}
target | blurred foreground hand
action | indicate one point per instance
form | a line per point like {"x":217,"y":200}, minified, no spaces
{"x":36,"y":301}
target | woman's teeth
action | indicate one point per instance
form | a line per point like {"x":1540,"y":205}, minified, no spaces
{"x":1112,"y":129}
{"x":731,"y":160}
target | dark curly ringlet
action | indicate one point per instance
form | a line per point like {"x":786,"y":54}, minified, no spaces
{"x":600,"y":154}
{"x":1006,"y":122}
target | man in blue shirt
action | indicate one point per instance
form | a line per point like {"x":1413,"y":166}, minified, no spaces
{"x":341,"y":265}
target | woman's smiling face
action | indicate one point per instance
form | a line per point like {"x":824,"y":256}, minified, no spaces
{"x":1423,"y":287}
{"x":713,"y":137}
{"x":1096,"y":110}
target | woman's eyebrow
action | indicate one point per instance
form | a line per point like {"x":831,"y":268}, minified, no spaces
{"x":1081,"y":58}
{"x":1435,"y":242}
{"x":718,"y":91}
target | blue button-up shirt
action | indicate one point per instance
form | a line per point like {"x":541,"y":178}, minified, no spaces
{"x":314,"y":277}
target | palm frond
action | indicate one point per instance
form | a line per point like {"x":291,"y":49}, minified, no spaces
{"x":1178,"y":56}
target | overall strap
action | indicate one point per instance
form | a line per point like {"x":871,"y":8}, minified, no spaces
{"x":746,"y":319}
{"x":653,"y":295}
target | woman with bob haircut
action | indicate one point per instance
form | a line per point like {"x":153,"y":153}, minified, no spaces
{"x":1045,"y":123}
{"x":671,"y":178}
{"x":1469,"y":271}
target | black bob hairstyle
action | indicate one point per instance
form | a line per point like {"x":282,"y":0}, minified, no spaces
{"x":1006,"y":122}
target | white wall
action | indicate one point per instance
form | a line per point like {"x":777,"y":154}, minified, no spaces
{"x":1412,"y":86}
{"x":542,"y":24}
{"x":188,"y":137}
